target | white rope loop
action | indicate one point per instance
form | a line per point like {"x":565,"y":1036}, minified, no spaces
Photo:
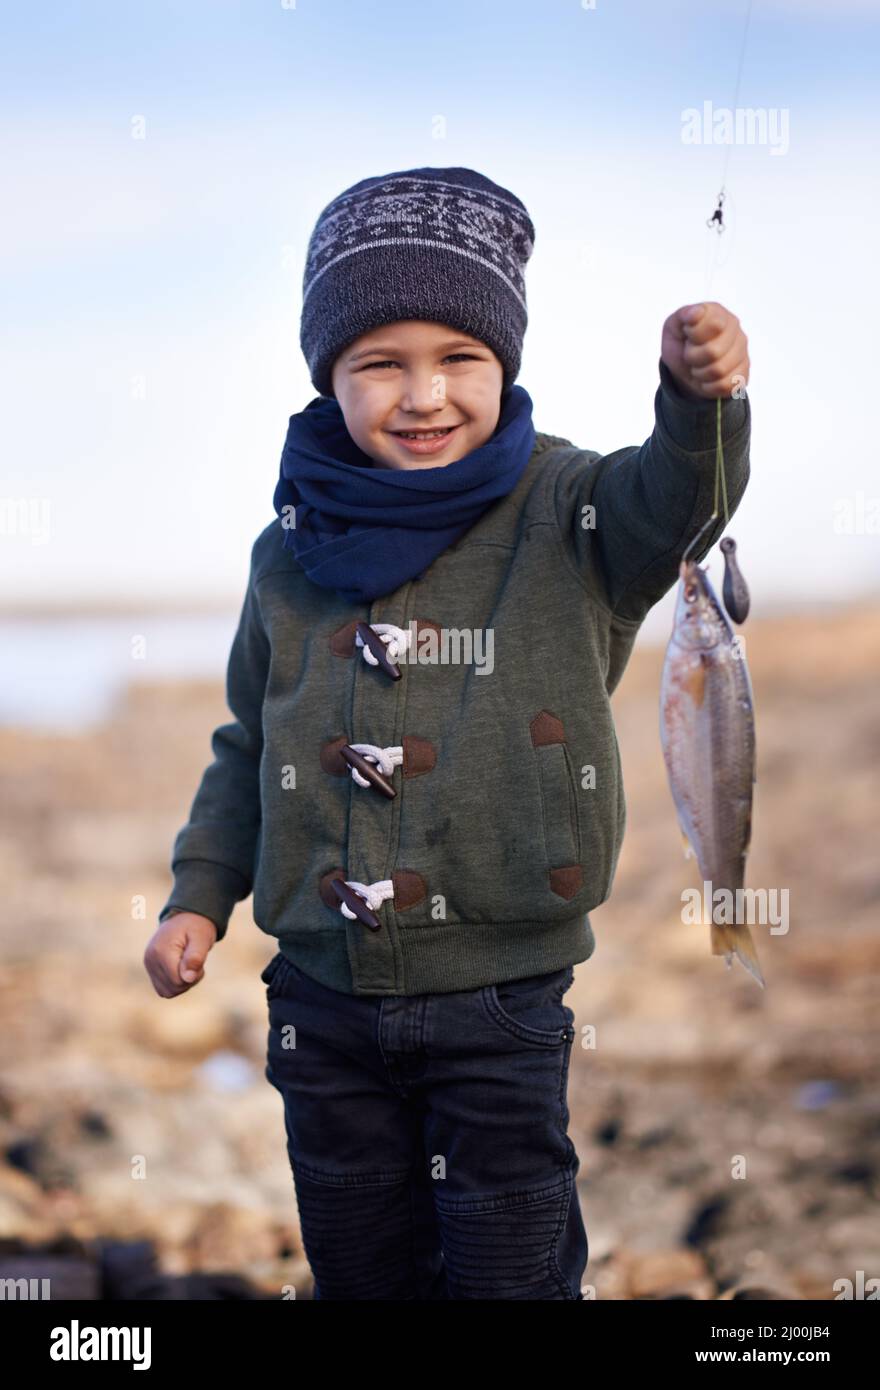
{"x":375,"y":894}
{"x":387,"y":758}
{"x":397,"y":640}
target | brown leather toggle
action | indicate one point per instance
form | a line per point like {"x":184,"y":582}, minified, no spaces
{"x":567,"y":881}
{"x":331,"y":757}
{"x":425,"y":624}
{"x":332,"y":888}
{"x":325,"y":891}
{"x":342,"y":641}
{"x":409,"y":888}
{"x":419,"y":755}
{"x":372,"y":640}
{"x":546,"y":728}
{"x":353,"y":899}
{"x":367,"y":769}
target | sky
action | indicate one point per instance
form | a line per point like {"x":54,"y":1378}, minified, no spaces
{"x":163,"y":165}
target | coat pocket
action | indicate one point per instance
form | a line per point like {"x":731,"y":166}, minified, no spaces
{"x":559,"y":804}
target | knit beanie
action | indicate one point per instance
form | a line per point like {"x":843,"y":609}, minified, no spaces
{"x":444,"y":245}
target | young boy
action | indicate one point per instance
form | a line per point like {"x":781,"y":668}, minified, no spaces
{"x":422,"y":780}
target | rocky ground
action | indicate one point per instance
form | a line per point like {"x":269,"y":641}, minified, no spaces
{"x":729,"y":1137}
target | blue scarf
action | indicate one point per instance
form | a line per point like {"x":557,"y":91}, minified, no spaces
{"x":364,"y":530}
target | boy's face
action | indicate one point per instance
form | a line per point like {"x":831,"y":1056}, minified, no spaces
{"x":416,"y":376}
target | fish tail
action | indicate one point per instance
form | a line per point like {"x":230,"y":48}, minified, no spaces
{"x":735,"y":938}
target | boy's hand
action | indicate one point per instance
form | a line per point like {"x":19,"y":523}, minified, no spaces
{"x":176,"y":953}
{"x":705,"y":348}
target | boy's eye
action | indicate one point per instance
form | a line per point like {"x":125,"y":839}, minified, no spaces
{"x":466,"y":356}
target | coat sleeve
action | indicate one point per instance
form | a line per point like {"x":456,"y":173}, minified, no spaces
{"x":213,"y":859}
{"x":649,"y":501}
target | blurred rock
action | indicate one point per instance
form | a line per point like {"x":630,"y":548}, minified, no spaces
{"x":188,"y":1026}
{"x":227,"y":1071}
{"x":670,"y":1273}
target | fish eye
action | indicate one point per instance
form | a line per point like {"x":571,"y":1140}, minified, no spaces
{"x":690,"y":592}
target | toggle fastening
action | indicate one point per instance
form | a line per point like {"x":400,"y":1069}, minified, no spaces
{"x":363,"y":771}
{"x":362,"y":900}
{"x":383,"y":645}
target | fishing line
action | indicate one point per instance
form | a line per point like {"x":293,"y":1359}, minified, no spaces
{"x":735,"y":592}
{"x":706,"y":713}
{"x":717,"y":218}
{"x":720,"y":483}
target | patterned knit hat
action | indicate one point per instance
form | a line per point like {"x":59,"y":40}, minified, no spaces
{"x":444,"y":245}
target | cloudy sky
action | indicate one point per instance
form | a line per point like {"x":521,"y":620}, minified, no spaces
{"x":150,"y":356}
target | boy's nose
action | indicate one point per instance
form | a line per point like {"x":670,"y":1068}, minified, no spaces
{"x":421,"y":394}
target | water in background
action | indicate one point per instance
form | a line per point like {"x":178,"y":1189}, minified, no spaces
{"x":63,"y":675}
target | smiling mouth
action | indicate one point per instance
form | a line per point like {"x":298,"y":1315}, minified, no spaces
{"x":424,"y":434}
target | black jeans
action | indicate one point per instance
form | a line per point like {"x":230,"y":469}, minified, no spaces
{"x":427,"y":1136}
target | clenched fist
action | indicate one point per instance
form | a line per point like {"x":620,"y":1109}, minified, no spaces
{"x":176,"y":952}
{"x":706,"y":350}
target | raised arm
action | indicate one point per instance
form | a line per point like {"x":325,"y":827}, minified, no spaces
{"x":650,"y":500}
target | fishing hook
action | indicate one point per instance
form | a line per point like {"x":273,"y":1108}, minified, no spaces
{"x":717,"y":218}
{"x":698,"y":536}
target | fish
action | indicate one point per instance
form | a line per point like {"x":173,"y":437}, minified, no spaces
{"x":707,"y":732}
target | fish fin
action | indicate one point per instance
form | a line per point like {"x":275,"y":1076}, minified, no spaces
{"x":747,"y":834}
{"x":734,"y":938}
